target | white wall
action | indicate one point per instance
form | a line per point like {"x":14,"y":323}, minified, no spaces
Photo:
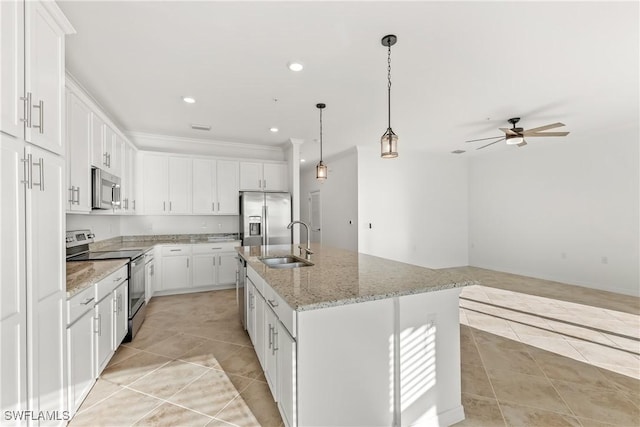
{"x":178,"y":224}
{"x":417,"y":205}
{"x":564,"y":210}
{"x":339,"y":200}
{"x":103,"y":226}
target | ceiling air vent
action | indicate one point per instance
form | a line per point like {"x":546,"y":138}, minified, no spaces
{"x":458,"y":151}
{"x":200,"y":127}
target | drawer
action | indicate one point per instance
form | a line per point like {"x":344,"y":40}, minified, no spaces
{"x":257,"y":281}
{"x":285,"y":314}
{"x":80,"y":303}
{"x":105,"y":286}
{"x":176,"y":250}
{"x":207,"y":248}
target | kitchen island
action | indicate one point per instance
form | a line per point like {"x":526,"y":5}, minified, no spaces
{"x":355,"y":339}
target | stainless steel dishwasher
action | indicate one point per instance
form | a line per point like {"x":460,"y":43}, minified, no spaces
{"x":241,"y":277}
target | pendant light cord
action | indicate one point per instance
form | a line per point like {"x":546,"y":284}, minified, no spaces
{"x":321,"y":134}
{"x":389,"y":84}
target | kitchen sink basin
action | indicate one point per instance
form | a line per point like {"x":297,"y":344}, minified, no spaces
{"x":285,"y":261}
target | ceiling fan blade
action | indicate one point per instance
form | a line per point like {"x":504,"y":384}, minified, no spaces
{"x":484,"y":139}
{"x":491,"y":143}
{"x":546,"y":134}
{"x":541,"y":128}
{"x":508,"y":131}
{"x":522,"y":144}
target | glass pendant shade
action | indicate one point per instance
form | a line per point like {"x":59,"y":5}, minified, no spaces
{"x":389,"y":145}
{"x":321,"y":171}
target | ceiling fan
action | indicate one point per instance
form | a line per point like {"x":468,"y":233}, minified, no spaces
{"x":515,"y":135}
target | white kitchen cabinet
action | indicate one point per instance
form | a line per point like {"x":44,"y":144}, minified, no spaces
{"x":204,"y":270}
{"x":286,"y":377}
{"x":46,"y":278}
{"x":167,"y":184}
{"x":98,"y":157}
{"x":78,"y":158}
{"x":104,"y":332}
{"x":270,"y":364}
{"x":214,"y":265}
{"x":12,"y":68}
{"x":250,"y":309}
{"x":261,"y":337}
{"x":81,"y":370}
{"x":227,"y":268}
{"x":256,"y":176}
{"x":13,"y":292}
{"x":121,"y":316}
{"x":176,"y":268}
{"x":149,"y":278}
{"x":215,"y":186}
{"x":128,"y":154}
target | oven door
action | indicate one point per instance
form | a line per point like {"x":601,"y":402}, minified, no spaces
{"x":136,"y":285}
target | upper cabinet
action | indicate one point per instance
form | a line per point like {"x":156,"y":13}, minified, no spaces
{"x":32,"y":74}
{"x":263,"y":176}
{"x":106,"y":146}
{"x":215,"y":186}
{"x":78,"y":163}
{"x":166,"y":184}
{"x":128,"y":156}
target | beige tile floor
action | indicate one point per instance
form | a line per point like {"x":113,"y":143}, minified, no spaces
{"x":533,"y":353}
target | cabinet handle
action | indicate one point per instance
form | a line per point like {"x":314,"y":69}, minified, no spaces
{"x":134,"y":205}
{"x":251,"y":301}
{"x":164,"y":206}
{"x":72,"y":191}
{"x":87,"y":301}
{"x":265,"y":184}
{"x":259,"y":183}
{"x":170,"y":207}
{"x":213,"y":206}
{"x":187,"y":262}
{"x":118,"y":279}
{"x":40,"y":107}
{"x":270,"y":335}
{"x":28,"y":172}
{"x":27,"y":109}
{"x":40,"y":165}
{"x":218,"y":206}
{"x":99,"y":319}
{"x":77,"y":190}
{"x":175,"y":250}
{"x":272,"y":302}
{"x":275,"y":341}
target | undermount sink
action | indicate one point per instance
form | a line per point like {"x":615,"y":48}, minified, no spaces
{"x":285,"y":261}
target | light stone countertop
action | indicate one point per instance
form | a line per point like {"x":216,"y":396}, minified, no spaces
{"x":340,"y":277}
{"x":82,"y":274}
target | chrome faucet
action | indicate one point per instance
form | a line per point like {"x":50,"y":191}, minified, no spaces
{"x":307,"y":250}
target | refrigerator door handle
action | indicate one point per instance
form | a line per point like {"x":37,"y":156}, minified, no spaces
{"x":265,"y":224}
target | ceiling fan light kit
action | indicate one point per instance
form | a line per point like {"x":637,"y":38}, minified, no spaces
{"x":321,"y":168}
{"x":515,"y":135}
{"x":389,"y":140}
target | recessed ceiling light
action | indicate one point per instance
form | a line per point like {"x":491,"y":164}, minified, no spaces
{"x":302,"y":160}
{"x":295,"y":66}
{"x":273,"y":129}
{"x":200,"y":127}
{"x":457,"y":151}
{"x":188,"y":99}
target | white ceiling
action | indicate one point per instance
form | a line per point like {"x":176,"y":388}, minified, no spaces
{"x":459,"y":69}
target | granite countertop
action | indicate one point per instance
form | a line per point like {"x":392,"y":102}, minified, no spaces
{"x":82,"y":274}
{"x":340,"y":277}
{"x":147,"y":242}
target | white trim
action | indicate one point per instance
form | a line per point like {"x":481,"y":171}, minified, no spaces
{"x":56,"y":13}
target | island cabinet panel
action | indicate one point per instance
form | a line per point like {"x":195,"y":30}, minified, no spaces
{"x":345,"y":365}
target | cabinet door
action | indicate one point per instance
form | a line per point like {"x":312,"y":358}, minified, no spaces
{"x":275,"y":177}
{"x":175,"y":272}
{"x":149,"y":280}
{"x":179,"y":185}
{"x":203,"y":186}
{"x":80,"y":366}
{"x":286,"y":376}
{"x":270,"y":364}
{"x":13,"y":305}
{"x":204,"y":270}
{"x":115,"y":152}
{"x":104,"y":332}
{"x":78,"y":170}
{"x":98,"y":156}
{"x":44,"y":77}
{"x":46,"y":279}
{"x":155,"y":181}
{"x":226,"y":268}
{"x":261,"y":338}
{"x":12,"y":68}
{"x":250,"y":309}
{"x":250,"y":176}
{"x":227,"y":184}
{"x":121,"y":321}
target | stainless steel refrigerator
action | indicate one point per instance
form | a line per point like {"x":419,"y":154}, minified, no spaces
{"x":264,"y":217}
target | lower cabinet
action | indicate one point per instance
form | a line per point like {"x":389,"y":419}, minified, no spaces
{"x":104,"y":331}
{"x":121,"y":317}
{"x":270,"y":366}
{"x":196,"y":267}
{"x":286,"y":350}
{"x":80,"y":366}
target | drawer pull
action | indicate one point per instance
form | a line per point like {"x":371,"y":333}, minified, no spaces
{"x":87,"y":301}
{"x":175,"y":250}
{"x":118,"y":279}
{"x":272,"y":302}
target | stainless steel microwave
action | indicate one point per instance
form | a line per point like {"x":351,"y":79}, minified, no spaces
{"x":105,"y":189}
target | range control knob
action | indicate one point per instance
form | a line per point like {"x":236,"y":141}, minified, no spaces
{"x":69,"y":239}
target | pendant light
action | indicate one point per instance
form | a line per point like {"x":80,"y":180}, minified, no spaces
{"x":321,"y":168}
{"x":389,"y":141}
